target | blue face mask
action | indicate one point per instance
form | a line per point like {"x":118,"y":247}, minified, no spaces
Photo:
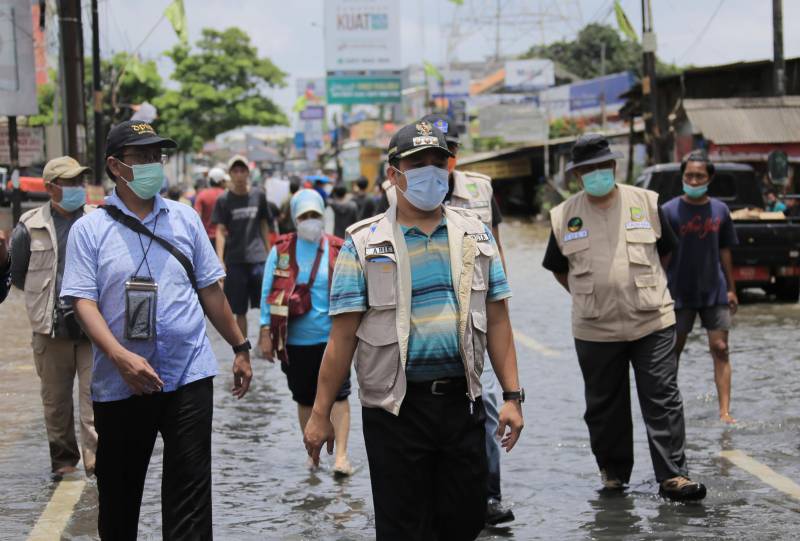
{"x":425,"y":186}
{"x":599,"y":182}
{"x":72,"y":198}
{"x":695,"y":192}
{"x":147,"y":179}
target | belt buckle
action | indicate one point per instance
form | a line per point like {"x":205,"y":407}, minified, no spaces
{"x":434,"y":392}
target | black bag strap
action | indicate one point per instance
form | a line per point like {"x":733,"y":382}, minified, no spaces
{"x":139,"y":227}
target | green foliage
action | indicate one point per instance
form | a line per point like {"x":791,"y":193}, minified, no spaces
{"x":563,"y":127}
{"x":581,"y":56}
{"x":45,"y":96}
{"x":221,"y":86}
{"x":135,"y":82}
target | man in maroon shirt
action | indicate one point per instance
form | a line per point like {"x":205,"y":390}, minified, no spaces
{"x":206,"y":199}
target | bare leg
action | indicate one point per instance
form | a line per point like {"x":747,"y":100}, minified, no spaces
{"x":241,"y":320}
{"x":340,"y":417}
{"x":680,"y":344}
{"x":718,"y":344}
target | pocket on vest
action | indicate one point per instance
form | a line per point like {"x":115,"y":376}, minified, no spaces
{"x":483,"y":262}
{"x":377,"y":357}
{"x":479,"y":328}
{"x":649,"y":296}
{"x":381,"y":284}
{"x":584,"y":300}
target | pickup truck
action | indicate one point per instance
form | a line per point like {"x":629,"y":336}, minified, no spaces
{"x":768,"y":254}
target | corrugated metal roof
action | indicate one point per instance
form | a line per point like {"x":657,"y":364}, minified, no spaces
{"x":746,"y":120}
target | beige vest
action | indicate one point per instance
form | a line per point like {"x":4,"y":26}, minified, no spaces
{"x":618,"y":286}
{"x":382,"y":350}
{"x":473,"y":191}
{"x":40,"y":280}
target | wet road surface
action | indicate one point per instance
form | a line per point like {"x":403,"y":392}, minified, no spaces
{"x":262,"y":489}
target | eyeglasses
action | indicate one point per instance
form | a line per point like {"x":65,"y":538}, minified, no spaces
{"x":141,"y":158}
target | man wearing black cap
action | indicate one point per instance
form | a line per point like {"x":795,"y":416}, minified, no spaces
{"x":141,"y":273}
{"x":473,"y":191}
{"x":417,"y":296}
{"x":608,"y":248}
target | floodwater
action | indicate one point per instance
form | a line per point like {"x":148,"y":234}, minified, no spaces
{"x":262,"y":489}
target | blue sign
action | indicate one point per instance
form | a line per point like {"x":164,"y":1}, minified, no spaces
{"x":587,"y":94}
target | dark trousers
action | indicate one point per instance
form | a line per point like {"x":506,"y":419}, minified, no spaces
{"x":127,"y":432}
{"x":428,"y":468}
{"x":608,"y":402}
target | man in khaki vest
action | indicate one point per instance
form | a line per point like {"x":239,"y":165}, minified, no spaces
{"x":608,"y":247}
{"x":417,"y":296}
{"x":60,"y":349}
{"x":473,"y":191}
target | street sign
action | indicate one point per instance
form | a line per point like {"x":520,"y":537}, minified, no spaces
{"x":362,"y":35}
{"x":348,"y":90}
{"x":313,"y":112}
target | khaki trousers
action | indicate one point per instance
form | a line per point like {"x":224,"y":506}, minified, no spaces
{"x":57,"y":361}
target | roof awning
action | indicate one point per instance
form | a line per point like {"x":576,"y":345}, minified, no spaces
{"x":746,"y":120}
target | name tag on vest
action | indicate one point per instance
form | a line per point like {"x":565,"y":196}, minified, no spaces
{"x":374,"y":251}
{"x":479,"y":205}
{"x":576,"y":235}
{"x":644,"y":224}
{"x":479,"y":237}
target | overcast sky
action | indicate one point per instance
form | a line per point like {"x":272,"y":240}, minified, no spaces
{"x":290,"y":32}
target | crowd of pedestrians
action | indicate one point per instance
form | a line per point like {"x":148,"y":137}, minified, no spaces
{"x":409,"y":286}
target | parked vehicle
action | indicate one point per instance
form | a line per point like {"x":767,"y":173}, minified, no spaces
{"x":768,"y":254}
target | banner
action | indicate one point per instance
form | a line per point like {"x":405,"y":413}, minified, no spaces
{"x":362,"y":35}
{"x":366,"y":89}
{"x":530,"y":74}
{"x":30,"y":141}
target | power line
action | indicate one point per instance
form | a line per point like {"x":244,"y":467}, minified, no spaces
{"x":702,"y":33}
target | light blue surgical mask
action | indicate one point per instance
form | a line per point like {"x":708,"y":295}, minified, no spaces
{"x":72,"y":198}
{"x":599,"y":182}
{"x":695,"y":192}
{"x":147,"y":180}
{"x":426,"y":186}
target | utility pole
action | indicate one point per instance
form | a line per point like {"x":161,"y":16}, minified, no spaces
{"x":98,"y":98}
{"x":71,"y":30}
{"x":778,"y":64}
{"x":497,"y":34}
{"x":603,"y":90}
{"x":13,"y":154}
{"x":649,"y":90}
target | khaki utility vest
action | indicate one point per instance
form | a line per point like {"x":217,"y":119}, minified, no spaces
{"x":382,"y":350}
{"x":40,"y":280}
{"x":618,"y":286}
{"x":473,"y":191}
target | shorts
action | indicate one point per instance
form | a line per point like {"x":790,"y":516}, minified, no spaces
{"x":302,"y":372}
{"x":243,"y":284}
{"x":713,"y":318}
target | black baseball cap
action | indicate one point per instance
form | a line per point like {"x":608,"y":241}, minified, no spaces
{"x":134,"y":133}
{"x":445,"y":125}
{"x":415,"y":137}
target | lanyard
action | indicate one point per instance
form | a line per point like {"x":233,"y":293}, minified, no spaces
{"x":146,"y":251}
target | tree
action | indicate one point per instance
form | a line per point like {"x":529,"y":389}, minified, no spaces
{"x":222,"y":85}
{"x":126,"y":81}
{"x":581,"y":56}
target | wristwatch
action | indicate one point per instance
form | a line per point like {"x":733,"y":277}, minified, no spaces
{"x":515,"y":395}
{"x":243,"y":347}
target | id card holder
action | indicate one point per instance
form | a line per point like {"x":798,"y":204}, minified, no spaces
{"x":141,"y":295}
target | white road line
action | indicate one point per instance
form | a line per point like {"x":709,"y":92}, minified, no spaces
{"x":54,"y":519}
{"x":530,"y":343}
{"x":763,"y":472}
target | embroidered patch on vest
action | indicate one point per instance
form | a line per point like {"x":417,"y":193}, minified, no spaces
{"x":480,"y":237}
{"x":283,"y":261}
{"x":575,"y":224}
{"x":576,"y":235}
{"x":379,"y":250}
{"x":637,"y":214}
{"x":472,"y":188}
{"x":638,"y":225}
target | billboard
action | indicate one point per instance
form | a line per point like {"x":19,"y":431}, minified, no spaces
{"x":531,"y":74}
{"x":455,"y":85}
{"x":586,"y":96}
{"x":366,"y":89}
{"x":17,"y":66}
{"x":362,"y":35}
{"x":515,"y":123}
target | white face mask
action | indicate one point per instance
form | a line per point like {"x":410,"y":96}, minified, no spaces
{"x":310,"y":229}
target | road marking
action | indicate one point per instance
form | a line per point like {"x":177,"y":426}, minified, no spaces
{"x":536,"y":346}
{"x":54,"y":519}
{"x":763,"y":472}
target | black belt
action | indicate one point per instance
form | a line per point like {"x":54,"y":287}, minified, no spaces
{"x":438,"y":387}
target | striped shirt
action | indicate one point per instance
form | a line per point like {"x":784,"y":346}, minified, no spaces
{"x":433,"y":351}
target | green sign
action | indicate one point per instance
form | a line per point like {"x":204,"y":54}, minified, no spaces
{"x":353,"y":90}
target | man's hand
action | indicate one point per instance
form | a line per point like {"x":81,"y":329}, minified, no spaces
{"x":265,"y":345}
{"x":242,"y":374}
{"x":3,"y":249}
{"x":733,"y":301}
{"x":510,"y":416}
{"x":319,"y":430}
{"x":137,"y":372}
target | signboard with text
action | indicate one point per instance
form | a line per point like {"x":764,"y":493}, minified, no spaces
{"x":362,"y":35}
{"x":515,"y":123}
{"x":530,"y":74}
{"x":455,"y":85}
{"x":30,"y":141}
{"x":366,"y":89}
{"x":17,"y":66}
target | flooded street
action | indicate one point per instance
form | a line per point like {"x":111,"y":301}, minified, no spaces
{"x":263,"y":490}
